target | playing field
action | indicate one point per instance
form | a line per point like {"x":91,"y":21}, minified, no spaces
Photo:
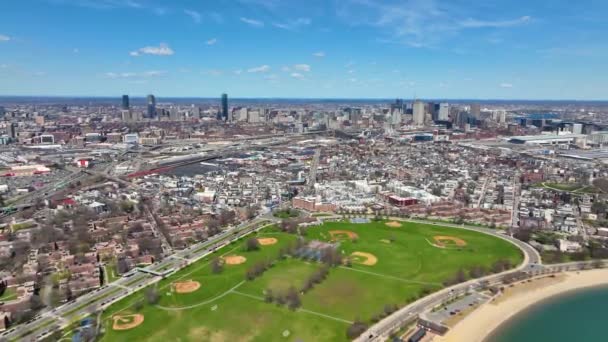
{"x":388,"y":265}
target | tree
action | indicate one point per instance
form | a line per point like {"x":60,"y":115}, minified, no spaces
{"x":356,"y":329}
{"x":293,"y":298}
{"x":252,"y":244}
{"x":216,"y":265}
{"x":523,"y":235}
{"x":152,"y":295}
{"x":268,"y":296}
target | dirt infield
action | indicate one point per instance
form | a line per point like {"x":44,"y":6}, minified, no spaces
{"x":267,"y":241}
{"x":393,"y":224}
{"x":369,"y":259}
{"x":126,"y":322}
{"x":186,"y":286}
{"x":234,"y":259}
{"x":342,"y":234}
{"x":442,"y":239}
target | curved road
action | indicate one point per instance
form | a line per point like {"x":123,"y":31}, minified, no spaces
{"x":381,"y":330}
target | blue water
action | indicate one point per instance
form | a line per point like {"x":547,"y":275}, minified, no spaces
{"x":572,"y":317}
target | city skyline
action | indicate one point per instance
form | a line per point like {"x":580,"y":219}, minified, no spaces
{"x":263,"y":49}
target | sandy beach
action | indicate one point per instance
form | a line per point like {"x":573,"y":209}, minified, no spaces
{"x":480,"y":323}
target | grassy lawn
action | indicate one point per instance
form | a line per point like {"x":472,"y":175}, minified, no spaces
{"x":110,"y":273}
{"x":9,"y":294}
{"x":227,"y":307}
{"x":286,"y":213}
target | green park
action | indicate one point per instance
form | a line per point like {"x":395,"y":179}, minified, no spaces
{"x":328,"y":284}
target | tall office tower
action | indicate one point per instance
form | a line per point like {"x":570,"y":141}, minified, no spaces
{"x":444,"y":112}
{"x":125,"y":102}
{"x":126,"y":115}
{"x":223,"y":113}
{"x":398,"y":105}
{"x":151,"y":107}
{"x":476,"y":110}
{"x":432,"y":109}
{"x":2,"y":111}
{"x":13,"y":132}
{"x":419,"y":113}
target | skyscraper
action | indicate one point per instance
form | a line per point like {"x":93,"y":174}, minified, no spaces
{"x":151,"y":107}
{"x":419,"y":113}
{"x":444,"y":111}
{"x":125,"y":102}
{"x":223,"y":113}
{"x":476,"y":110}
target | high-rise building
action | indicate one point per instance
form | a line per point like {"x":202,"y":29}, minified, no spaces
{"x":223,"y":113}
{"x":444,"y":112}
{"x":13,"y":132}
{"x":125,"y":102}
{"x":419,"y":113}
{"x":432,"y":108}
{"x":476,"y":110}
{"x":151,"y":107}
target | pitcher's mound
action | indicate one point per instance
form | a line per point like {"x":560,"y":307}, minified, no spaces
{"x":393,"y":224}
{"x":342,"y":234}
{"x":445,"y":241}
{"x":267,"y":241}
{"x":126,"y":322}
{"x":186,"y":286}
{"x":234,"y":259}
{"x":363,"y":258}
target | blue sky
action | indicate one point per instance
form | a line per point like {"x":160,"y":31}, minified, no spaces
{"x":542,"y":49}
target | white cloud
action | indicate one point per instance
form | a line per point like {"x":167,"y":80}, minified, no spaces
{"x":252,"y":22}
{"x":506,"y":85}
{"x":351,"y":71}
{"x":161,"y":50}
{"x":119,"y":75}
{"x":261,"y":68}
{"x":319,"y":54}
{"x":417,"y":23}
{"x":213,"y":72}
{"x":473,"y":23}
{"x":286,"y":69}
{"x":4,"y":38}
{"x":293,"y":24}
{"x":302,"y":67}
{"x":272,"y":77}
{"x":211,"y":41}
{"x":238,"y":71}
{"x":196,"y":16}
{"x":297,"y":75}
{"x":76,"y":50}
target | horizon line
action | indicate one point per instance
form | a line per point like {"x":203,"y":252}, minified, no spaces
{"x":302,"y":98}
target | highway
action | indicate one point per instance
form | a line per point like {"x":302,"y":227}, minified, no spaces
{"x":51,"y":320}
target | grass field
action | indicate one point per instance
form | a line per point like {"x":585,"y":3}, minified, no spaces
{"x":229,"y":308}
{"x":9,"y":294}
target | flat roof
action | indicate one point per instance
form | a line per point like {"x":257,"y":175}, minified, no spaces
{"x":547,"y":137}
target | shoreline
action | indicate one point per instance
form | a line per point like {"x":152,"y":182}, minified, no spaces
{"x":492,"y":315}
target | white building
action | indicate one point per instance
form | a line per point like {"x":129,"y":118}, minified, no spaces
{"x":419,"y":113}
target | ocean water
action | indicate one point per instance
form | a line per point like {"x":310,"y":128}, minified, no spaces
{"x":576,"y":316}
